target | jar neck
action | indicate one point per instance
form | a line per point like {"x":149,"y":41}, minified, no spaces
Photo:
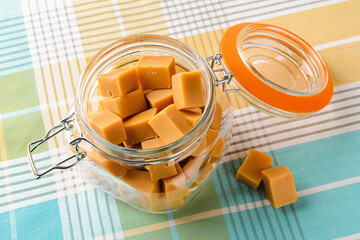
{"x":129,"y":50}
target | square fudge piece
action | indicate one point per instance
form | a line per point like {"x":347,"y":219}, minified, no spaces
{"x":279,"y":186}
{"x":216,"y":122}
{"x":170,"y":124}
{"x":152,"y":143}
{"x":137,"y":127}
{"x":250,"y":171}
{"x":126,"y":105}
{"x":155,"y":71}
{"x":111,"y":166}
{"x":109,"y":126}
{"x":161,"y":171}
{"x":174,"y":186}
{"x":118,"y":82}
{"x":188,"y":90}
{"x":191,"y":116}
{"x":160,"y":98}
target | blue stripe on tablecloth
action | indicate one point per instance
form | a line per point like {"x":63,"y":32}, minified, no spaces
{"x":14,"y":48}
{"x":339,"y":160}
{"x":39,"y":221}
{"x":321,"y":214}
{"x":85,"y":216}
{"x":114,"y":212}
{"x":5,"y":227}
{"x":89,"y":214}
{"x":10,"y":11}
{"x":13,"y":225}
{"x":330,"y":214}
{"x":173,"y":229}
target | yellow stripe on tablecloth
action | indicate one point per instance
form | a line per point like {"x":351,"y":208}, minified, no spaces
{"x":53,"y":81}
{"x":143,"y":17}
{"x":323,"y":24}
{"x":2,"y":144}
{"x":343,"y":62}
{"x":145,"y":229}
{"x":199,"y":216}
{"x":97,"y":23}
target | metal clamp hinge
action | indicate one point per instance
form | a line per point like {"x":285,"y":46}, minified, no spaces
{"x":66,"y":124}
{"x":227,"y":76}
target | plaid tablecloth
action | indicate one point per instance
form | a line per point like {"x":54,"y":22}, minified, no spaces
{"x":45,"y":44}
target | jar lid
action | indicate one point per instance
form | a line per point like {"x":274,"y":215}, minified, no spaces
{"x":276,"y":67}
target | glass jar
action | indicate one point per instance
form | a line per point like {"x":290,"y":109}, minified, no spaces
{"x":263,"y":60}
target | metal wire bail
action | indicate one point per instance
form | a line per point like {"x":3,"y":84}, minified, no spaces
{"x":66,"y":124}
{"x":227,"y":76}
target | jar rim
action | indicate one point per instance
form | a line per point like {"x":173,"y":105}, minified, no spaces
{"x":148,"y":156}
{"x":288,"y":102}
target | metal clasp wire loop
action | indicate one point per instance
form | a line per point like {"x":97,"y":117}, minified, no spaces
{"x":64,"y":125}
{"x":227,"y":76}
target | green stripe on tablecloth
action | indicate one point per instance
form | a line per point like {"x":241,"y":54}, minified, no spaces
{"x":209,"y":228}
{"x":207,"y":200}
{"x":138,"y":219}
{"x":18,"y":91}
{"x":162,"y":234}
{"x":21,"y":130}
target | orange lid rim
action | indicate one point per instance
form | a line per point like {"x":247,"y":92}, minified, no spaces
{"x":264,"y":92}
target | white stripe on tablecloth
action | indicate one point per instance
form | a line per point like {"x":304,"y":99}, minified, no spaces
{"x":350,"y":237}
{"x":337,"y":43}
{"x":119,"y":19}
{"x":256,"y":129}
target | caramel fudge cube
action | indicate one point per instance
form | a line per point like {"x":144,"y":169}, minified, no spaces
{"x":211,"y":136}
{"x":199,"y":148}
{"x":174,"y":187}
{"x":187,"y":90}
{"x":109,"y":126}
{"x":205,"y":172}
{"x":152,"y":143}
{"x":155,"y":71}
{"x":195,"y":109}
{"x":160,"y":98}
{"x":218,"y":150}
{"x":126,"y":105}
{"x":92,"y":114}
{"x":141,"y":181}
{"x":279,"y":186}
{"x":118,"y":82}
{"x":112,"y":167}
{"x":192,"y":166}
{"x":164,"y":204}
{"x":146,"y":91}
{"x":137,"y":127}
{"x":161,"y":171}
{"x":179,"y":69}
{"x":191,"y":116}
{"x":170,"y":124}
{"x":250,"y":171}
{"x":216,"y":122}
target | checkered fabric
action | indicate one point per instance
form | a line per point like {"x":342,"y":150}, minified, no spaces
{"x":45,"y":44}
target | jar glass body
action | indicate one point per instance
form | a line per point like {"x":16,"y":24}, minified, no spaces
{"x":195,"y":155}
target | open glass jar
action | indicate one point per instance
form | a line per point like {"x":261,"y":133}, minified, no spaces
{"x":261,"y":63}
